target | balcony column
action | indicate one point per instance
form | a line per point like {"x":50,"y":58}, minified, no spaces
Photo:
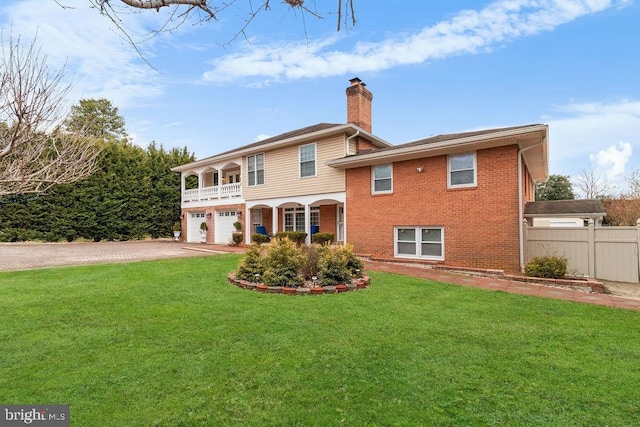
{"x":200,"y":185}
{"x":307,"y":223}
{"x":248,"y":214}
{"x":274,"y":220}
{"x":220,"y":184}
{"x":344,"y":222}
{"x":183,"y":185}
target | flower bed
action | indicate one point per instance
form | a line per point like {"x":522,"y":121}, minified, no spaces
{"x":306,"y":289}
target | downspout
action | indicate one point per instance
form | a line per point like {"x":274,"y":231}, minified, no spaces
{"x":520,"y":203}
{"x":349,"y":140}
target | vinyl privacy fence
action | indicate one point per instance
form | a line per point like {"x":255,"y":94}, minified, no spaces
{"x":604,"y":253}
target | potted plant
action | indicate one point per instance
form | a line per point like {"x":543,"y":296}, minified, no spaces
{"x":203,"y":232}
{"x":176,"y":231}
{"x":237,"y":237}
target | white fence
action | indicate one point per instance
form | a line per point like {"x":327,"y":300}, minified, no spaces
{"x":604,"y":253}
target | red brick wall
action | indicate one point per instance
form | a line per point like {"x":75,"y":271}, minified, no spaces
{"x":328,"y":219}
{"x":480,"y":223}
{"x":362,"y":145}
{"x":267,"y":220}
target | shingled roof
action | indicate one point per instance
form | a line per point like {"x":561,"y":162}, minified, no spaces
{"x":452,"y":137}
{"x":291,"y":134}
{"x":587,"y":208}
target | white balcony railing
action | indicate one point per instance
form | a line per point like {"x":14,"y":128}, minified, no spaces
{"x":210,"y":193}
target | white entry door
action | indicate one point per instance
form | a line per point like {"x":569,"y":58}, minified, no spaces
{"x":224,"y":226}
{"x":193,"y":226}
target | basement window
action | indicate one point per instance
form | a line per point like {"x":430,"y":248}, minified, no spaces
{"x":419,"y":242}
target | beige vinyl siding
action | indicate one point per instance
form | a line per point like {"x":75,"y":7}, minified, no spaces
{"x":282,"y":172}
{"x":353,"y":146}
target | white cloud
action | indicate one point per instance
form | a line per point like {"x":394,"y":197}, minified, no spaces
{"x":469,"y":32}
{"x":611,"y":162}
{"x":262,"y":137}
{"x":585,"y":128}
{"x":584,"y":139}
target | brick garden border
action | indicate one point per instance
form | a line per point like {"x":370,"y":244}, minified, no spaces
{"x":360,"y":283}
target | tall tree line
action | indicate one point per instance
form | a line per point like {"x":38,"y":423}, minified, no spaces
{"x":132,"y":195}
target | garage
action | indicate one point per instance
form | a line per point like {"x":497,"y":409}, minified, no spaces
{"x":224,"y":226}
{"x":193,"y":226}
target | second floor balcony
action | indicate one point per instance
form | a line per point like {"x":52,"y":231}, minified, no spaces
{"x":223,"y":191}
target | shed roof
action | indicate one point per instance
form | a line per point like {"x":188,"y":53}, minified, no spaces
{"x":585,"y":208}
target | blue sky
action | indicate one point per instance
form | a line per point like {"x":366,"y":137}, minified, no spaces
{"x":434,"y":67}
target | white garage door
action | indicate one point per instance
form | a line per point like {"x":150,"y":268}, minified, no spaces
{"x":224,"y":226}
{"x":193,"y":226}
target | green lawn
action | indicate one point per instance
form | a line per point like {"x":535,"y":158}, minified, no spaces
{"x":172,"y":343}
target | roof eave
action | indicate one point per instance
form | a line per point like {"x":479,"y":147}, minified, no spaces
{"x":566,"y":215}
{"x":435,"y":149}
{"x":348,"y":128}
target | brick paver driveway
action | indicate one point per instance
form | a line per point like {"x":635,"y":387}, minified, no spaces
{"x":26,"y":256}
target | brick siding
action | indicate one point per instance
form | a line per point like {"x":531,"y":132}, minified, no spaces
{"x":480,"y":223}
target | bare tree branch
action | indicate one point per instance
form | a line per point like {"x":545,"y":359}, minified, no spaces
{"x":157,"y":4}
{"x":205,"y":10}
{"x":592,"y":185}
{"x":34,"y":152}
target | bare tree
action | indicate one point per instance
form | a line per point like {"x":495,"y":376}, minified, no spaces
{"x":592,"y":186}
{"x":623,"y":211}
{"x":633,"y":181}
{"x":181,"y":11}
{"x":35,"y":152}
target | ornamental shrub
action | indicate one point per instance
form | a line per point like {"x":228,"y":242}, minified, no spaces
{"x":298,"y":237}
{"x":237,"y":238}
{"x":354,"y":264}
{"x":282,"y":262}
{"x":251,"y":264}
{"x":334,"y":269}
{"x":311,"y":255}
{"x":259,"y":238}
{"x":322,"y":238}
{"x":551,"y":267}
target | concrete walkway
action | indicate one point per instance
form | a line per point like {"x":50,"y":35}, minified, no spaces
{"x":27,"y":256}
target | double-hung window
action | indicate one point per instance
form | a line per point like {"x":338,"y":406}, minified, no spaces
{"x":419,"y":242}
{"x":382,"y":179}
{"x":307,"y":160}
{"x":255,"y":169}
{"x":462,"y":171}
